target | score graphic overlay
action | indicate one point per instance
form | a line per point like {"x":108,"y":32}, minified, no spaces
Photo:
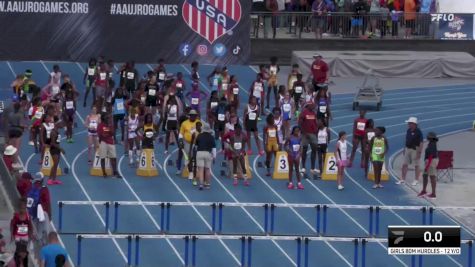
{"x":424,"y":240}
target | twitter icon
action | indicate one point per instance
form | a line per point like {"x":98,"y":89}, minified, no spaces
{"x":219,"y":50}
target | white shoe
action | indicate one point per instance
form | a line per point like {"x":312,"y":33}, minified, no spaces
{"x":340,"y":187}
{"x":401,"y":182}
{"x":302,"y":170}
{"x":415,"y":183}
{"x":190,"y":176}
{"x":31,"y":143}
{"x":178,"y":172}
{"x":314,"y":171}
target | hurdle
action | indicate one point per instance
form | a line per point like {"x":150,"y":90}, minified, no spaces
{"x":246,"y":241}
{"x":269,"y":209}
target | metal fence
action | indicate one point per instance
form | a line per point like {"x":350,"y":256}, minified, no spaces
{"x":308,"y":25}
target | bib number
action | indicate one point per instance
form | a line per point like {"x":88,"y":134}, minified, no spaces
{"x":120,"y":106}
{"x":55,"y":89}
{"x":90,"y":71}
{"x":149,"y":134}
{"x":272,"y":133}
{"x":286,"y":107}
{"x":161,"y":76}
{"x":213,"y":104}
{"x":237,"y":146}
{"x":360,"y":126}
{"x":273,"y":70}
{"x":298,"y":89}
{"x":220,"y":117}
{"x":296,"y":147}
{"x":46,"y":162}
{"x":38,"y":114}
{"x":102,"y":76}
{"x":235,"y":90}
{"x":370,"y":135}
{"x":195,"y":101}
{"x":130,"y":75}
{"x":378,"y":150}
{"x":29,"y":202}
{"x":22,"y":229}
{"x":252,"y":116}
{"x":69,"y":105}
{"x":179,"y":85}
{"x":152,"y":92}
{"x":323,"y":109}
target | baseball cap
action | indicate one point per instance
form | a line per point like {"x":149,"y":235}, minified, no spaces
{"x":206,"y":128}
{"x":10,"y":150}
{"x":412,"y":120}
{"x":38,"y":177}
{"x":193,"y":112}
{"x":317,"y":55}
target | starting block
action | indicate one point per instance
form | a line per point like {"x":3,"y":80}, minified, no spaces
{"x":147,"y":166}
{"x":48,"y":164}
{"x":331,"y":169}
{"x":96,"y":169}
{"x":384,"y":173}
{"x":281,"y":166}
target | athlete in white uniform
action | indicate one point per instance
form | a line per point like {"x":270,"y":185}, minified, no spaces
{"x":341,"y":158}
{"x":92,"y":120}
{"x":132,"y":136}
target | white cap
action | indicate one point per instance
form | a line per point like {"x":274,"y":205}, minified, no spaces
{"x":317,"y":55}
{"x":412,"y":120}
{"x":10,"y":150}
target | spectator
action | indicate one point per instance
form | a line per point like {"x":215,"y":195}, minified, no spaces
{"x":50,"y":252}
{"x":375,"y":12}
{"x":23,"y":185}
{"x":20,"y":259}
{"x":271,"y":6}
{"x":319,"y":9}
{"x":20,"y":225}
{"x":383,"y":26}
{"x":410,"y":17}
{"x":9,"y":157}
{"x":16,"y":125}
{"x":360,"y":9}
{"x":319,"y":71}
{"x":431,"y":157}
{"x":107,"y":145}
{"x":205,"y":155}
{"x":395,"y":23}
{"x":308,"y":124}
{"x":412,"y":151}
{"x":426,"y":7}
{"x":39,"y":207}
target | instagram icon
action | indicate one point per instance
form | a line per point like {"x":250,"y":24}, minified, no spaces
{"x":202,"y":50}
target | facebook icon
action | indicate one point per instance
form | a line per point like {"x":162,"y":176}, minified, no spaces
{"x":185,"y":49}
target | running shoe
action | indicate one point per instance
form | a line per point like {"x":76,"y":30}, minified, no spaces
{"x":341,"y":187}
{"x":380,"y":186}
{"x":302,"y":170}
{"x":235,"y":182}
{"x":57,"y":182}
{"x":401,"y":182}
{"x":415,"y":183}
{"x":178,"y":172}
{"x":290,"y":185}
{"x":31,"y":143}
{"x":190,"y":176}
{"x":314,"y":171}
{"x":268,"y":172}
{"x":259,"y":119}
{"x":166,"y":152}
{"x":300,"y":186}
{"x":422,"y":194}
{"x":118,"y":176}
{"x":375,"y":186}
{"x":246,"y":182}
{"x":431,"y":196}
{"x":51,"y":182}
{"x":201,"y":187}
{"x":195,"y":183}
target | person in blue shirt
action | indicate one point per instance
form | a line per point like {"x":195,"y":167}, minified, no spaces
{"x":49,"y":252}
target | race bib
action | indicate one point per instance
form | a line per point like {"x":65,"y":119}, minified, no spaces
{"x":179,"y":85}
{"x":195,"y":101}
{"x":378,"y":150}
{"x":93,"y":125}
{"x":252,"y":116}
{"x":258,"y":87}
{"x":120,"y":106}
{"x":296,"y":147}
{"x":55,"y":89}
{"x":370,"y":135}
{"x":38,"y":114}
{"x":102,"y":76}
{"x":111,"y":74}
{"x":161,"y":77}
{"x":22,"y":229}
{"x":69,"y":105}
{"x":90,"y":71}
{"x":273,"y":70}
{"x":224,"y":86}
{"x":286,"y":107}
{"x":215,"y":82}
{"x":322,"y":139}
{"x":257,"y":94}
{"x":360,"y":126}
{"x":149,"y":134}
{"x":213,"y":104}
{"x":173,"y":109}
{"x":130,"y":75}
{"x":29,"y":202}
{"x":298,"y":89}
{"x":272,"y":133}
{"x":236,"y":90}
{"x":237,"y":145}
{"x":220,"y":117}
{"x":152,"y":92}
{"x":322,"y":109}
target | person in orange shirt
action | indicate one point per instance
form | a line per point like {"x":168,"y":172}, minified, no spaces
{"x":410,"y":16}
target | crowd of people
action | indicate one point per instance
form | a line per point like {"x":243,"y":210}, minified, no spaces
{"x":369,"y":18}
{"x":160,"y":107}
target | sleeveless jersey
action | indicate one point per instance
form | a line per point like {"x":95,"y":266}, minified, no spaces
{"x":322,"y":136}
{"x":294,"y":146}
{"x":378,"y":149}
{"x":360,"y":127}
{"x":342,"y":151}
{"x":286,"y":109}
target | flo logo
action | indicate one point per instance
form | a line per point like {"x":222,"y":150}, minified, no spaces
{"x":211,"y":19}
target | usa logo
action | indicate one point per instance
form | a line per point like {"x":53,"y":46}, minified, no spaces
{"x":211,"y":19}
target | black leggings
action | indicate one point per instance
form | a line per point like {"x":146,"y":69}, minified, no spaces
{"x":241,"y":162}
{"x":313,"y":156}
{"x":321,"y":149}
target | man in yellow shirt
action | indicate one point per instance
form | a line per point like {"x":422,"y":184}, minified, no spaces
{"x":187,"y":129}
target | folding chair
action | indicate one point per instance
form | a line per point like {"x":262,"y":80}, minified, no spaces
{"x":445,"y":168}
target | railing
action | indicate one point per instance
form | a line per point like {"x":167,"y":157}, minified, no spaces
{"x":307,"y":25}
{"x":321,"y":211}
{"x":246,"y":246}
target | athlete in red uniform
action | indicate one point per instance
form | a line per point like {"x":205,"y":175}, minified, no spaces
{"x":359,"y":131}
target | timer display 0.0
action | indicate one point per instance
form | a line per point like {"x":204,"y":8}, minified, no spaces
{"x":424,"y":236}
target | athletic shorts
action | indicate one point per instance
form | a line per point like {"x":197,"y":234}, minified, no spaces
{"x":100,"y":91}
{"x":204,"y":159}
{"x":172,"y":125}
{"x":309,"y":139}
{"x":251,"y":126}
{"x":432,"y":170}
{"x":107,"y":151}
{"x":272,"y":147}
{"x":15,"y":133}
{"x":342,"y":163}
{"x":410,"y":157}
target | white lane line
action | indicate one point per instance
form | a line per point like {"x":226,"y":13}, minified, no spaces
{"x":146,"y":210}
{"x":194,"y":208}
